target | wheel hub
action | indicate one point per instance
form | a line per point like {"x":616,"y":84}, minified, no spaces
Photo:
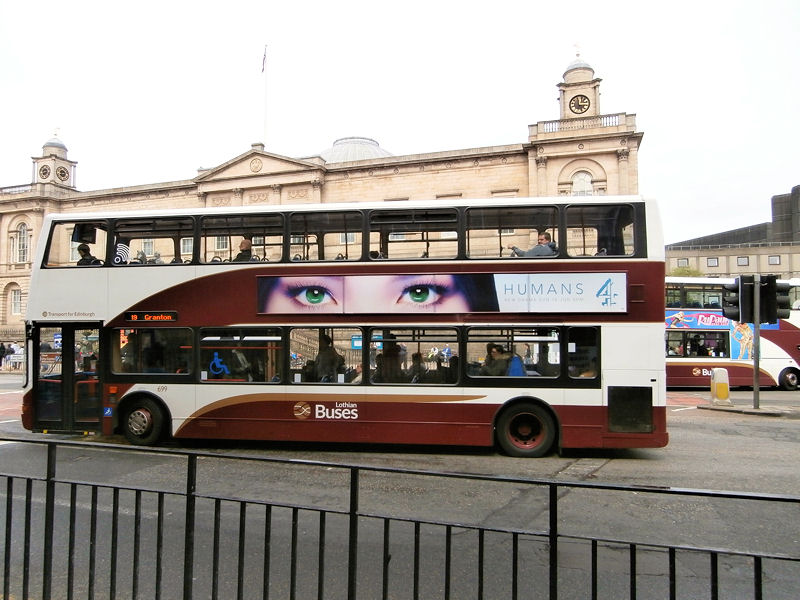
{"x":139,"y":421}
{"x":526,"y":431}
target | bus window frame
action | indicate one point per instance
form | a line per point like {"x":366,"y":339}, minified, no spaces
{"x":102,"y":224}
{"x":402,"y":221}
{"x":553,"y":228}
{"x":205,"y":231}
{"x":601,"y":250}
{"x":290,"y":232}
{"x":118,"y":236}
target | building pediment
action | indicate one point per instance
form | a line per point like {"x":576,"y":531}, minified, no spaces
{"x":256,"y":163}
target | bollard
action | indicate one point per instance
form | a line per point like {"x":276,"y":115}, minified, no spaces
{"x":720,"y":389}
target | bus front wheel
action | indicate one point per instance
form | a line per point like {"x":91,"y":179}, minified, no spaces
{"x":788,"y":379}
{"x":526,"y":430}
{"x":144,"y":422}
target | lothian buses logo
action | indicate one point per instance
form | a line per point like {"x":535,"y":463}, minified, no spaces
{"x":341,"y":411}
{"x":302,"y":410}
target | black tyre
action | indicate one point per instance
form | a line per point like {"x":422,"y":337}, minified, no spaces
{"x":143,"y":422}
{"x":788,"y":379}
{"x":526,"y":430}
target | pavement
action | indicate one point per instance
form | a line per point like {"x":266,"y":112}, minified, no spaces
{"x":791,"y":412}
{"x":743,"y":403}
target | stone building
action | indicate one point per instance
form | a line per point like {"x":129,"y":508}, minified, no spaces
{"x":765,"y":248}
{"x":582,"y":152}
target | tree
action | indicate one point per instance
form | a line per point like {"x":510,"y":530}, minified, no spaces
{"x":685,"y":272}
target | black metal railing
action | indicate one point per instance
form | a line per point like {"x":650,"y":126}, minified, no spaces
{"x":109,"y":521}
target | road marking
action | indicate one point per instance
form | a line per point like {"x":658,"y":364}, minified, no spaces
{"x":582,"y":468}
{"x":687,"y":408}
{"x":9,"y":421}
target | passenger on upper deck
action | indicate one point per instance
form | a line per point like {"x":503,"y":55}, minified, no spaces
{"x":245,"y":251}
{"x":545,"y":247}
{"x":86,"y":256}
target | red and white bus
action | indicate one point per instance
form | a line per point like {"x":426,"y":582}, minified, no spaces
{"x":700,"y":338}
{"x":402,"y":322}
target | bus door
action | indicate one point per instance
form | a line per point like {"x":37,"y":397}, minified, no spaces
{"x":66,"y":377}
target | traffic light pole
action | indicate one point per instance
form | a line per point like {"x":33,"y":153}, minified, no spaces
{"x":756,"y":339}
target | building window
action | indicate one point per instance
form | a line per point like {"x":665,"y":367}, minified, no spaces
{"x":187,"y":245}
{"x":774,"y":259}
{"x":582,"y":184}
{"x":712,"y":262}
{"x":20,"y":244}
{"x":16,"y":302}
{"x":743,"y":261}
{"x":683,"y":262}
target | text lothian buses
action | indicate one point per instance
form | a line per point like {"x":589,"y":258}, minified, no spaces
{"x":530,"y":324}
{"x":700,"y":338}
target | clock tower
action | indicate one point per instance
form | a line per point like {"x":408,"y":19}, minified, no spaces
{"x":53,"y":166}
{"x":580,"y":91}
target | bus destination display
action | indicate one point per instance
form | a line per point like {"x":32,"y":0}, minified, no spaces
{"x":149,"y":316}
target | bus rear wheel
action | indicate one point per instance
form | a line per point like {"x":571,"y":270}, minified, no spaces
{"x":788,"y":379}
{"x":144,"y":420}
{"x":526,"y":430}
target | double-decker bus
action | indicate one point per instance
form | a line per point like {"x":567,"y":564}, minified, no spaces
{"x":700,"y":338}
{"x":397,"y":323}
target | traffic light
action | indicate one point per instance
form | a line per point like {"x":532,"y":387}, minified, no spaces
{"x":782,"y":300}
{"x":774,"y":299}
{"x":737,"y":299}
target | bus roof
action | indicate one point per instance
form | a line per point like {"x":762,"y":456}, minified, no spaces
{"x":342,"y":206}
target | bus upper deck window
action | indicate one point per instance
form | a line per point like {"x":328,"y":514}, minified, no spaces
{"x":413,"y":234}
{"x":67,"y":237}
{"x":600,"y":230}
{"x":241,"y":238}
{"x":325,"y":236}
{"x":151,"y":241}
{"x":527,"y":231}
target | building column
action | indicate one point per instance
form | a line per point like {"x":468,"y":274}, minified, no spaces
{"x":622,"y":160}
{"x":316,"y":189}
{"x":541,"y":176}
{"x":275,"y":194}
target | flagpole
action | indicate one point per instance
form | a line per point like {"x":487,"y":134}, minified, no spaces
{"x":264,"y":75}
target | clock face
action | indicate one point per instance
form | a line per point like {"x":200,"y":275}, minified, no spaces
{"x":579,"y":104}
{"x":44,"y":171}
{"x":62,"y":173}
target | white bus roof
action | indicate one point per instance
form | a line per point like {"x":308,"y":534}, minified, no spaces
{"x":317,"y":207}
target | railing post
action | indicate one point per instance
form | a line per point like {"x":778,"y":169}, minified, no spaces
{"x":188,"y":544}
{"x":49,"y":512}
{"x":352,"y":564}
{"x":553,"y":535}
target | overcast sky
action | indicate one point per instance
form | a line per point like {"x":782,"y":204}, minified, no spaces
{"x":148,"y":92}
